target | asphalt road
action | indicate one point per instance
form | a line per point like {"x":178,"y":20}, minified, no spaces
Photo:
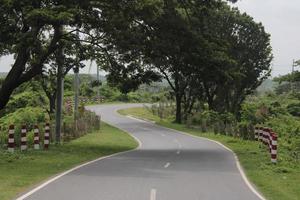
{"x":167,"y":166}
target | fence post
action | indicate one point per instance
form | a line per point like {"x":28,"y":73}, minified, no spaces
{"x":274,"y":148}
{"x":23,"y":138}
{"x":11,"y":138}
{"x":36,"y":138}
{"x":47,"y":136}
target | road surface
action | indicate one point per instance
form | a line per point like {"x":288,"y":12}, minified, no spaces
{"x":167,"y":166}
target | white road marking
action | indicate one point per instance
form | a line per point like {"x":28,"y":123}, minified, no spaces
{"x":247,"y":182}
{"x":135,"y":119}
{"x":237,"y":162}
{"x":153,"y":194}
{"x":178,"y":152}
{"x":167,"y":165}
{"x":163,"y":135}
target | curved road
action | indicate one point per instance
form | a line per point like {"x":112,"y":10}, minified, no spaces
{"x":167,"y":166}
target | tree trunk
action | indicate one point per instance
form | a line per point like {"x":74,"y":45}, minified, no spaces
{"x":18,"y":73}
{"x":12,"y":79}
{"x":59,"y":94}
{"x":178,"y":108}
{"x":52,"y":106}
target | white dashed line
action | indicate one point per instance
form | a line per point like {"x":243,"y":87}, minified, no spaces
{"x":167,"y":165}
{"x":153,"y":194}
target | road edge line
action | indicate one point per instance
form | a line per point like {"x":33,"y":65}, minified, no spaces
{"x":47,"y":182}
{"x":237,"y":162}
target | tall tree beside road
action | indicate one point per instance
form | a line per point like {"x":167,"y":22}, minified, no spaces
{"x":248,"y":46}
{"x":205,"y":50}
{"x":29,"y":30}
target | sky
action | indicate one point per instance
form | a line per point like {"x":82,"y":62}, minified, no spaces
{"x":281,"y":19}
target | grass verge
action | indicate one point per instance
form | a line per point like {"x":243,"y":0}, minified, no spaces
{"x":276,"y":182}
{"x":19,"y":171}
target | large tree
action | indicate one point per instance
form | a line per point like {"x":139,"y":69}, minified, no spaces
{"x":248,"y":47}
{"x":165,"y":44}
{"x":33,"y":30}
{"x":206,"y":51}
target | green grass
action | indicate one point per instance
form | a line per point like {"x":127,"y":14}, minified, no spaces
{"x":19,"y":171}
{"x":276,"y":182}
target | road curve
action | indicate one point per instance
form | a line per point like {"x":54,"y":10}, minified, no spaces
{"x":167,"y":166}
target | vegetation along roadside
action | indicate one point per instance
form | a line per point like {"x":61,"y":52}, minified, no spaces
{"x":19,"y":171}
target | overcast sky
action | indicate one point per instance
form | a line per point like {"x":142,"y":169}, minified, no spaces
{"x":281,"y":19}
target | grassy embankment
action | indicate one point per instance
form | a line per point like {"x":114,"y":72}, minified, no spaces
{"x":276,"y":182}
{"x":19,"y":171}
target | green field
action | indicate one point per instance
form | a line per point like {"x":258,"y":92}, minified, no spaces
{"x":20,"y":171}
{"x":276,"y":182}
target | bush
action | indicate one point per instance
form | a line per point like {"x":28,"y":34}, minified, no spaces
{"x":294,"y":109}
{"x":86,"y":122}
{"x":26,"y":99}
{"x":23,"y":116}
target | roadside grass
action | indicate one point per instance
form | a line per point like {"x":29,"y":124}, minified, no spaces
{"x":275,"y":182}
{"x":20,"y":171}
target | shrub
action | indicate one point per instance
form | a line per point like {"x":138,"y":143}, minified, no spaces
{"x":26,"y":99}
{"x":23,"y":116}
{"x":294,"y":109}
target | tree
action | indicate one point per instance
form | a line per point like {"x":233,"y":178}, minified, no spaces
{"x":204,"y":49}
{"x":247,"y":45}
{"x":164,"y":43}
{"x":74,"y":53}
{"x":32,"y":31}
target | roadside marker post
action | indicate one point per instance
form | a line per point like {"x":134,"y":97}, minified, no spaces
{"x":11,"y":139}
{"x":36,"y":138}
{"x":23,"y":138}
{"x":260,"y":137}
{"x":269,"y":138}
{"x":266,"y":135}
{"x":274,"y":148}
{"x":47,"y":136}
{"x":256,"y":133}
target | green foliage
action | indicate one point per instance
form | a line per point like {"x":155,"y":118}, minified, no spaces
{"x":29,"y":116}
{"x":291,"y":77}
{"x":26,"y":99}
{"x":294,"y":109}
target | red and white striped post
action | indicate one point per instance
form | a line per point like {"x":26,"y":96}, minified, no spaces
{"x":47,"y":136}
{"x":274,"y":148}
{"x":256,"y":133}
{"x":11,"y":139}
{"x":270,"y":140}
{"x":23,"y":138}
{"x":266,"y":133}
{"x":260,"y":134}
{"x":36,"y":138}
